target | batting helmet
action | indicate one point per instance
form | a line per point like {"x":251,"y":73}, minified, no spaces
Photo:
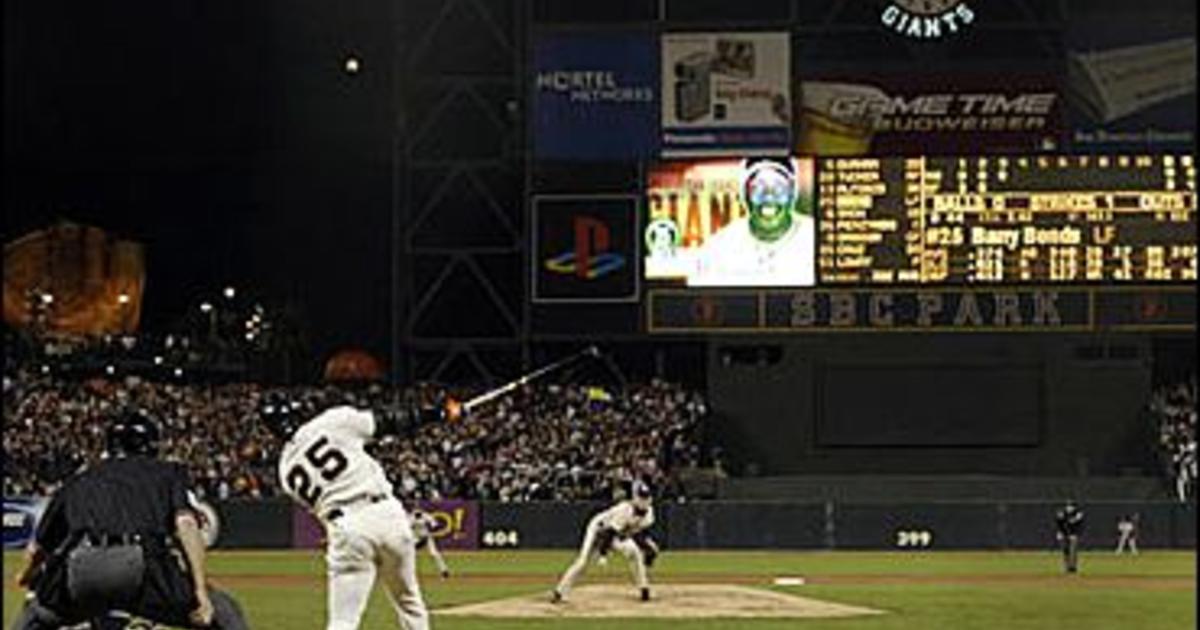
{"x":133,"y":433}
{"x":282,"y":416}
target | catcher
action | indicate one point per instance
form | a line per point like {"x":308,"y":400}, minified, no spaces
{"x":621,"y":527}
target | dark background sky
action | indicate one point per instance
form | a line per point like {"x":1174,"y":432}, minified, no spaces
{"x":224,"y":135}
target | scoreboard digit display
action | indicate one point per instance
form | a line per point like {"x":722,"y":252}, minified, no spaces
{"x":1029,"y":220}
{"x":931,"y":243}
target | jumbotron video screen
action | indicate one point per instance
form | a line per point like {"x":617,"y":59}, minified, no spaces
{"x":922,"y":221}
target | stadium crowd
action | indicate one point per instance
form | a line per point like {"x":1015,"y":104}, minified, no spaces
{"x":1174,"y":407}
{"x":552,"y":442}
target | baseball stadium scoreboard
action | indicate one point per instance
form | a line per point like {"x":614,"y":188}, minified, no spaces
{"x":1038,"y":219}
{"x":1016,"y":242}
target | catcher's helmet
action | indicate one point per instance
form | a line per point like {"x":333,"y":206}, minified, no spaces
{"x":282,"y":416}
{"x":133,"y":433}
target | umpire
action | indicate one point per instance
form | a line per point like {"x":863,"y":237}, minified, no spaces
{"x":123,"y":535}
{"x":1069,"y":521}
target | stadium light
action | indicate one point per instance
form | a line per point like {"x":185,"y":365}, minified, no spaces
{"x":352,"y":65}
{"x":178,"y":372}
{"x":230,"y":293}
{"x":205,"y":307}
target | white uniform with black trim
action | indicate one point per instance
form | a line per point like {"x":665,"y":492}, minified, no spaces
{"x":423,"y":526}
{"x":1127,"y":528}
{"x":325,"y":467}
{"x":626,"y":520}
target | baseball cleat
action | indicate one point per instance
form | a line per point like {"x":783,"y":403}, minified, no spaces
{"x":645,"y":594}
{"x":556,"y":597}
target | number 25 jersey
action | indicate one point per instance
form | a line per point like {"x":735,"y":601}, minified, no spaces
{"x":324,"y":465}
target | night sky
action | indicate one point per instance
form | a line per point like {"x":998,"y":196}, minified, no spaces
{"x":226,"y":136}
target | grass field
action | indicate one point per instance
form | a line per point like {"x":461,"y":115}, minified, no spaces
{"x":930,"y":590}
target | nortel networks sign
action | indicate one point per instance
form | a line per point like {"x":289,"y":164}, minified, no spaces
{"x":592,"y":86}
{"x":595,"y":95}
{"x":927,"y":19}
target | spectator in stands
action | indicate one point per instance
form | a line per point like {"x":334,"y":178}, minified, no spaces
{"x":553,"y":442}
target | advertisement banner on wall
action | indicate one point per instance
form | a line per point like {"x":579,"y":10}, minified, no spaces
{"x":900,"y":115}
{"x":21,"y":516}
{"x":731,"y":222}
{"x":457,"y":525}
{"x":595,"y":95}
{"x":725,"y":93}
{"x":1131,"y":75}
{"x":585,"y":248}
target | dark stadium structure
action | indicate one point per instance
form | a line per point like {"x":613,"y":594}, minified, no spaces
{"x":384,"y":179}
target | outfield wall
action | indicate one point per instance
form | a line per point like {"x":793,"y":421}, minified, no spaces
{"x":717,"y":525}
{"x":748,"y":525}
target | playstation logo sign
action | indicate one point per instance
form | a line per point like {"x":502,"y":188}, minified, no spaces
{"x":590,"y":258}
{"x":585,"y":248}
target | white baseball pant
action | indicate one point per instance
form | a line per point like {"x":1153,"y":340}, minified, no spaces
{"x":374,"y":538}
{"x":588,"y":551}
{"x":437,"y":556}
{"x":1127,"y":541}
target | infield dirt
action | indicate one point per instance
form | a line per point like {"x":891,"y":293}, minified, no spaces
{"x":670,"y":601}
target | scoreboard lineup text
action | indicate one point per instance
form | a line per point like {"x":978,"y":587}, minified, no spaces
{"x":1009,"y":219}
{"x":1016,"y":243}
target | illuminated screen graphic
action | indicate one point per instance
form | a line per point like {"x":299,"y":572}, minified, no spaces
{"x":731,"y":222}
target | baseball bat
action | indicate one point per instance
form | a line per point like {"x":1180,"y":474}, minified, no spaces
{"x":492,"y":394}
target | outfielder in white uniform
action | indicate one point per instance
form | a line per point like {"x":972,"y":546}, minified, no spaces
{"x":1127,"y":528}
{"x":621,"y":527}
{"x":423,"y":526}
{"x":324,"y":467}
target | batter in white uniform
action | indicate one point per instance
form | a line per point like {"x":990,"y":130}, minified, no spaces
{"x":621,"y":527}
{"x":324,"y":467}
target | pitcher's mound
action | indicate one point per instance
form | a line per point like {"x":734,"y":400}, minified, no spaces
{"x":670,"y":601}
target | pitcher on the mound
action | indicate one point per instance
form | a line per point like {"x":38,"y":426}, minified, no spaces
{"x":621,"y":527}
{"x":324,"y":467}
